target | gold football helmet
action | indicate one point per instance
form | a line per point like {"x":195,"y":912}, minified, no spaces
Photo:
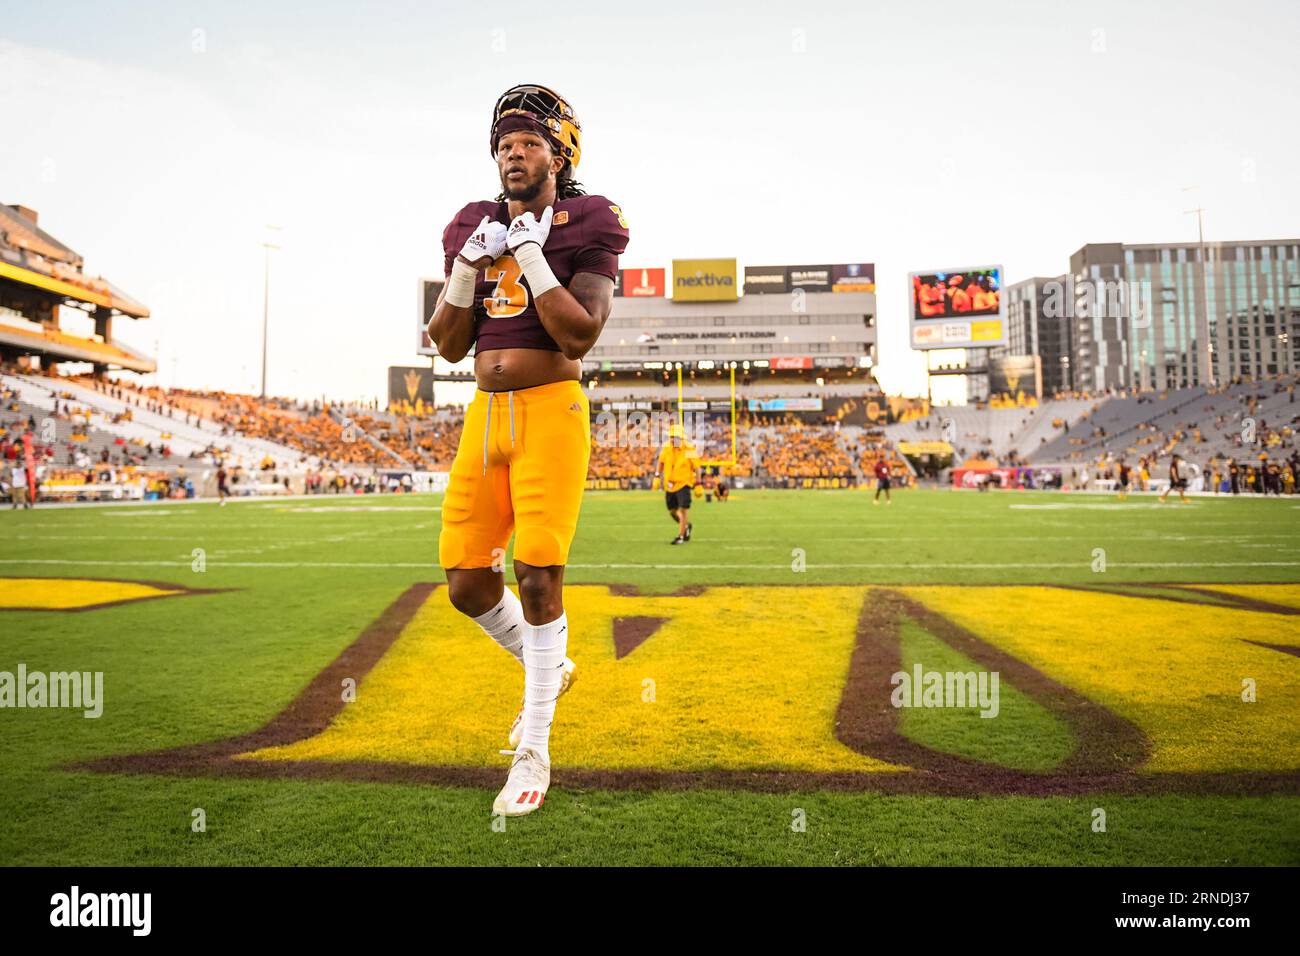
{"x":544,"y":108}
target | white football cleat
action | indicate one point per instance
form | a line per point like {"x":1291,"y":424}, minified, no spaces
{"x":566,"y":681}
{"x":526,"y":787}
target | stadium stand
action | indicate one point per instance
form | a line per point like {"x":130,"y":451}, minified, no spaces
{"x":97,"y":437}
{"x":70,"y":438}
{"x":632,"y":390}
{"x":114,"y":412}
{"x":39,"y":276}
{"x":72,"y":347}
{"x":1196,"y":422}
{"x":1016,"y":433}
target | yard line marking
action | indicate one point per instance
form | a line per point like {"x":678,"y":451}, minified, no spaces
{"x":146,"y":514}
{"x":317,"y":509}
{"x":784,"y":566}
{"x":1080,"y":506}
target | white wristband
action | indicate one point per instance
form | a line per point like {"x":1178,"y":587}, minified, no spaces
{"x":460,"y":284}
{"x":536,"y":269}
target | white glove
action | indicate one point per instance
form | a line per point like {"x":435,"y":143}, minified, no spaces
{"x":527,"y":228}
{"x":484,"y":245}
{"x":488,"y":239}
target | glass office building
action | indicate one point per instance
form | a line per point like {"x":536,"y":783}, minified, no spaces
{"x":1157,"y":317}
{"x":1035,"y":326}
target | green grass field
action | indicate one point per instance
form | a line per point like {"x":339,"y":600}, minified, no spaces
{"x":288,"y":585}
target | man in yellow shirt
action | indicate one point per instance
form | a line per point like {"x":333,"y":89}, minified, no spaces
{"x":678,"y":465}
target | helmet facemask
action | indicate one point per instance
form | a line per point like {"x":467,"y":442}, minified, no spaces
{"x":548,"y":112}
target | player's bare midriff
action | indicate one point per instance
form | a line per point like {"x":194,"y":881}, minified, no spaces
{"x":503,"y":370}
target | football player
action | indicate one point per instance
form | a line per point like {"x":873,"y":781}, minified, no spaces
{"x":884,"y":481}
{"x":530,"y":283}
{"x":678,"y":465}
{"x":1176,"y":480}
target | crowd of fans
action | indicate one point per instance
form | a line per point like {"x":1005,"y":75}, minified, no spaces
{"x":427,"y":438}
{"x":109,"y":481}
{"x":1261,"y":465}
{"x":316,"y":430}
{"x":799,"y":451}
{"x":1242,"y":428}
{"x":334,"y":482}
{"x":341,"y":447}
{"x":332,"y":438}
{"x":1259,"y":475}
{"x":336,"y":449}
{"x":625,"y":447}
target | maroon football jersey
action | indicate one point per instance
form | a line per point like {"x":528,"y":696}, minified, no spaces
{"x":588,"y":234}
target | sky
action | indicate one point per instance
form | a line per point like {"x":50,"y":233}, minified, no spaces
{"x":160,"y":140}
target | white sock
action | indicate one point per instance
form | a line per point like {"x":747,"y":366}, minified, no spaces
{"x":505,"y":624}
{"x":544,"y":647}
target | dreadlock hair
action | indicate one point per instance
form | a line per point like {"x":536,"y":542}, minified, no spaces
{"x":566,"y":187}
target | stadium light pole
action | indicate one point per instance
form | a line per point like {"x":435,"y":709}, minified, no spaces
{"x":929,"y":395}
{"x":266,"y":300}
{"x":1207,"y":353}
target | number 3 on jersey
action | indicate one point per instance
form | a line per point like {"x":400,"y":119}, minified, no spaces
{"x":509,"y":298}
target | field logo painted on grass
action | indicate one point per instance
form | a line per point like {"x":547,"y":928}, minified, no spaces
{"x":789,"y":688}
{"x":75,"y":595}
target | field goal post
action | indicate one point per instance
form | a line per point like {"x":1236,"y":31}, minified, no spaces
{"x":681,"y":417}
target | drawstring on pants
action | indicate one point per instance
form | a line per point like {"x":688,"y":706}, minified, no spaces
{"x":487,"y":430}
{"x":487,"y":425}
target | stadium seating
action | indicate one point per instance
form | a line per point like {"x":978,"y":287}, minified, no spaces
{"x":991,"y":432}
{"x":1199,"y":423}
{"x":144,"y":426}
{"x":1042,"y":425}
{"x":337,"y":447}
{"x":76,"y":436}
{"x":625,"y":391}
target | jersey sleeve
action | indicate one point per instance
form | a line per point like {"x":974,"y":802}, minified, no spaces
{"x":450,"y":249}
{"x":604,"y":238}
{"x":453,"y":237}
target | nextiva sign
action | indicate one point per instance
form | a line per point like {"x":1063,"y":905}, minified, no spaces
{"x":704,"y":280}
